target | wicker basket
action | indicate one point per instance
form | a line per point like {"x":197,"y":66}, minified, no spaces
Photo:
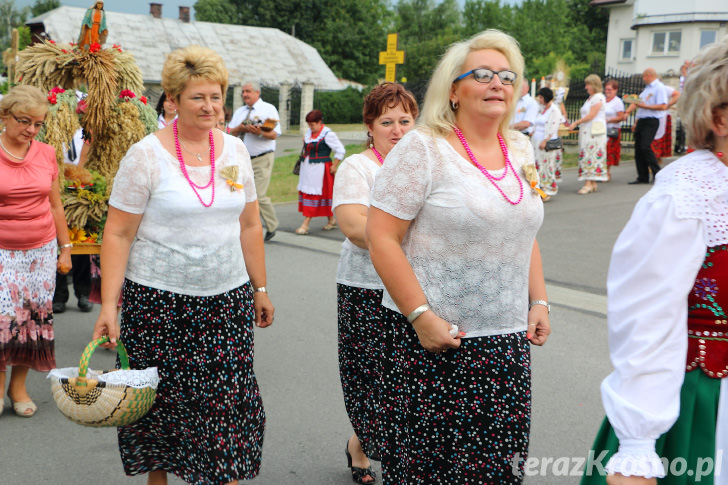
{"x":108,"y":398}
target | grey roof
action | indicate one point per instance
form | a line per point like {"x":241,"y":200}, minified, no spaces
{"x":261,"y":54}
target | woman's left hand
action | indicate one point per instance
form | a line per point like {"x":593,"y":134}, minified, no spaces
{"x":332,"y":169}
{"x":263,"y":309}
{"x":63,"y":265}
{"x":539,"y":326}
{"x":542,"y":145}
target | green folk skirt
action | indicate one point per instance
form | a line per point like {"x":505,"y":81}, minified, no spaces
{"x":687,"y":450}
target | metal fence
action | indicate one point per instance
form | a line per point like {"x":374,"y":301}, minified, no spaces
{"x":628,"y":84}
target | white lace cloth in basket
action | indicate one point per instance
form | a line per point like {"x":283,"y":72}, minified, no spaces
{"x":121,"y":377}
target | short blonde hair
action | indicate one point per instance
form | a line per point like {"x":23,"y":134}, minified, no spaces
{"x":706,"y":88}
{"x":24,"y":99}
{"x":192,"y":63}
{"x":436,"y":111}
{"x":595,"y":82}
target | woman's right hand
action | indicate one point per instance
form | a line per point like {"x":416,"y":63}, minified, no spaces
{"x":434,"y":333}
{"x":106,"y":324}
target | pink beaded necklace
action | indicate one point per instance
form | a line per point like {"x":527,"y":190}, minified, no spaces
{"x":485,"y":171}
{"x":184,"y":169}
{"x":377,"y":154}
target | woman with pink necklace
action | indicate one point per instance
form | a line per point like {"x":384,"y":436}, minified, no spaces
{"x":389,"y":112}
{"x":452,"y":233}
{"x":183,"y":245}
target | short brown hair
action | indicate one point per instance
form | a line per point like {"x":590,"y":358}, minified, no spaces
{"x":314,"y":116}
{"x":613,"y":83}
{"x":192,"y":63}
{"x":595,"y":82}
{"x":24,"y":99}
{"x":387,"y":96}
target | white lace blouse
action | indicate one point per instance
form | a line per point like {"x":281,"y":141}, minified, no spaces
{"x":653,"y":268}
{"x":354,"y":180}
{"x":469,"y":248}
{"x":182,"y":246}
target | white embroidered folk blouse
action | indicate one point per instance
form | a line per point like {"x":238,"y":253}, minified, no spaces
{"x":469,"y":248}
{"x":353,"y":183}
{"x":182,"y":246}
{"x":653,"y":268}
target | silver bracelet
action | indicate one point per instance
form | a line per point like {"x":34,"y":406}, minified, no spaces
{"x":64,"y":246}
{"x":261,"y":289}
{"x":417,"y":312}
{"x":540,"y":302}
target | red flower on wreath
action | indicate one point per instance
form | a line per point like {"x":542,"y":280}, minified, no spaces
{"x":143,"y":99}
{"x":94,"y":47}
{"x":117,"y":47}
{"x":52,"y":99}
{"x":57,"y":90}
{"x":81,"y":107}
{"x":51,"y":41}
{"x":127,"y":94}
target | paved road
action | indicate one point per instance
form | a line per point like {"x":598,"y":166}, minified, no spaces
{"x":296,"y":361}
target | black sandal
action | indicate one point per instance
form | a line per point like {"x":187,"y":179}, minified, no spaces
{"x":358,"y":474}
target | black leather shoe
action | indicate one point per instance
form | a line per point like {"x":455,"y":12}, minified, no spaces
{"x":638,"y":181}
{"x":59,"y":307}
{"x":84,"y":305}
{"x":269,"y":235}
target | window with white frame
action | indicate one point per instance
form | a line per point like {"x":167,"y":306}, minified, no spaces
{"x":666,"y":43}
{"x":625,"y":51}
{"x":707,"y":37}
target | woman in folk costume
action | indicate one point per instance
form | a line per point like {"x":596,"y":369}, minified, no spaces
{"x":668,"y":296}
{"x":323,"y":151}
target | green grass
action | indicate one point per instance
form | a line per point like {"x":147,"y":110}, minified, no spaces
{"x":283,"y":183}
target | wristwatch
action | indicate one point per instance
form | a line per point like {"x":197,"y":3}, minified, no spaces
{"x":540,"y":302}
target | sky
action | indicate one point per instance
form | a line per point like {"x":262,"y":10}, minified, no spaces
{"x":170,"y":8}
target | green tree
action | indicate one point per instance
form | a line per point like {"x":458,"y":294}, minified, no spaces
{"x":42,"y":6}
{"x":347,"y":33}
{"x":479,"y":15}
{"x":217,"y":11}
{"x":426,"y":30}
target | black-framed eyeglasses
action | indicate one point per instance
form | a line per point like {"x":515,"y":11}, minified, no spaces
{"x":27,"y":123}
{"x":483,"y":75}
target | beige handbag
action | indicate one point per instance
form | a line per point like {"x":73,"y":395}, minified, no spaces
{"x":598,"y":128}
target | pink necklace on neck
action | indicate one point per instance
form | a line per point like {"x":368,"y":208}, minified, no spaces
{"x":184,"y":169}
{"x":485,"y":171}
{"x":377,"y":154}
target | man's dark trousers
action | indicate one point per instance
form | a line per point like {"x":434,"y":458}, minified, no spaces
{"x":644,"y":157}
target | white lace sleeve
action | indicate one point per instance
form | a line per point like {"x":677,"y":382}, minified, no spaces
{"x":337,"y":148}
{"x":653,"y":268}
{"x":404,"y":181}
{"x":354,"y":180}
{"x":134,"y":181}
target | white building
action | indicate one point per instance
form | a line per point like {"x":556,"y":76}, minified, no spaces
{"x":266,"y":55}
{"x":660,"y":33}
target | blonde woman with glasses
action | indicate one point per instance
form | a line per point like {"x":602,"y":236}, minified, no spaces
{"x":452,"y":234}
{"x":34,"y":243}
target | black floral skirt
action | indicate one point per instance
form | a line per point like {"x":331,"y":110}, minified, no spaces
{"x":462,"y":416}
{"x":363,"y":327}
{"x":207,"y":422}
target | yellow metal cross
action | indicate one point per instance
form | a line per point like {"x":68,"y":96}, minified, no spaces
{"x":391,"y":57}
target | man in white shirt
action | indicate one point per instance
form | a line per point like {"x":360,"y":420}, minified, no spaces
{"x":526,"y":112}
{"x":653,"y":100}
{"x":246,"y":124}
